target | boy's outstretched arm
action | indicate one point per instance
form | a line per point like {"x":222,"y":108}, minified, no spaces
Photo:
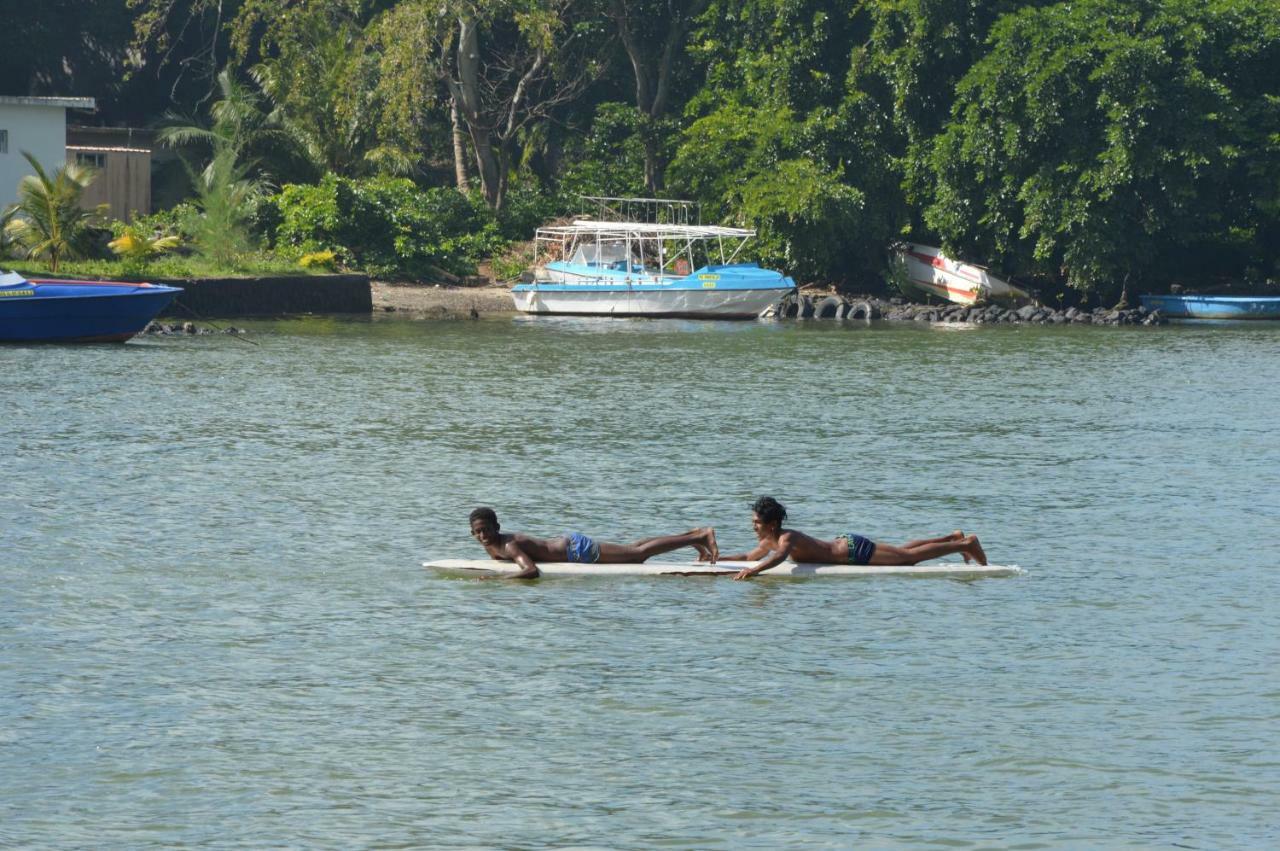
{"x":528,"y":570}
{"x":774,"y":558}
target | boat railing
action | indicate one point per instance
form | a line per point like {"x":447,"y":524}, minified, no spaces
{"x":647,"y":210}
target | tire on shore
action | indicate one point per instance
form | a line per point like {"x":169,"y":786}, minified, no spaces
{"x":862,"y":310}
{"x":831,"y":307}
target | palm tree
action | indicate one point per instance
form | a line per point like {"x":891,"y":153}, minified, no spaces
{"x":242,"y":120}
{"x":47,"y":220}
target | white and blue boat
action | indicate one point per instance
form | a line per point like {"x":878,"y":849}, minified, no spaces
{"x":1214,"y":306}
{"x":626,"y":268}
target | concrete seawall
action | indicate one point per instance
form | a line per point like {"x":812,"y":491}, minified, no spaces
{"x":270,"y":296}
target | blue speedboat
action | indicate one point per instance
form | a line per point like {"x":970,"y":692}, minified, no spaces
{"x":1214,"y":306}
{"x":77,"y":311}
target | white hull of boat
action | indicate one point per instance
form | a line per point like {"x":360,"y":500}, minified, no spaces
{"x":946,"y":570}
{"x":714,"y":304}
{"x":932,"y":272}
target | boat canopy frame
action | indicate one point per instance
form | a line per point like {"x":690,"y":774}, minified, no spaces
{"x":661,"y":243}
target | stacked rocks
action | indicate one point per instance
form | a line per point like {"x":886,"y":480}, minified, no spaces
{"x":895,"y":310}
{"x":162,"y":330}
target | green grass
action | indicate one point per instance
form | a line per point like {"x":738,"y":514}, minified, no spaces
{"x":195,"y":266}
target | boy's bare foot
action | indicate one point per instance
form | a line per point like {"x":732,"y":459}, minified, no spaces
{"x":975,"y":549}
{"x":711,"y":544}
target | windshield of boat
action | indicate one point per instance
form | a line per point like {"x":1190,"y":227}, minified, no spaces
{"x":599,"y":253}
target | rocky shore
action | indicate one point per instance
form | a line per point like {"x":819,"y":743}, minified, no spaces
{"x":898,"y":310}
{"x":418,"y":301}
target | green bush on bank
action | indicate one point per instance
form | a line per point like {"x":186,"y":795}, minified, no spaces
{"x":385,"y":226}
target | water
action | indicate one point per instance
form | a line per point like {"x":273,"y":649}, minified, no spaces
{"x":214,"y":629}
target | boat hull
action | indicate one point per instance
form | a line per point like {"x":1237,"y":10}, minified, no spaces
{"x":1213,"y":306}
{"x":717,"y":292}
{"x":41,"y":311}
{"x":932,"y":272}
{"x":741,"y":304}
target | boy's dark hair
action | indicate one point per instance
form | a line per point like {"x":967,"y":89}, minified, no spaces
{"x":485,"y":514}
{"x":769,"y":510}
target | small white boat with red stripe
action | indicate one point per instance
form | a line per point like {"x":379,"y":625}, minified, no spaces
{"x":929,"y":270}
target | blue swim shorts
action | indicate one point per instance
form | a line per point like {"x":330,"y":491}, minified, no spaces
{"x":578,"y":547}
{"x":860,"y":549}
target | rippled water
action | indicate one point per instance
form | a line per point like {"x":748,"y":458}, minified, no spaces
{"x":214,"y":628}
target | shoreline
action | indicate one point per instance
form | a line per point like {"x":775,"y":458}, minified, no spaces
{"x":439,"y":301}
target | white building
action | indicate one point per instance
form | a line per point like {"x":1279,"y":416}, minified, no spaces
{"x":35,"y":125}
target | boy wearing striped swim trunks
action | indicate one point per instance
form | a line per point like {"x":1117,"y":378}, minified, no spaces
{"x":527,"y":551}
{"x":778,"y":544}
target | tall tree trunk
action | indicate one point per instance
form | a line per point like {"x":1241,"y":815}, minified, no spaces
{"x":653,"y":77}
{"x":466,"y":95}
{"x":459,"y":149}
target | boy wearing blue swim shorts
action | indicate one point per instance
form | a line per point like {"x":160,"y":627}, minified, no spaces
{"x":777,"y":544}
{"x":527,"y":551}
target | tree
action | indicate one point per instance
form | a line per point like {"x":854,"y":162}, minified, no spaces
{"x":318,"y":61}
{"x":187,"y":35}
{"x":782,"y":140}
{"x":48,"y":220}
{"x":242,"y":121}
{"x":225,"y":196}
{"x":653,"y":34}
{"x":1109,"y":140}
{"x":505,"y":64}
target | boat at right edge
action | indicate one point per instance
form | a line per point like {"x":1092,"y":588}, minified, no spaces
{"x":1213,"y":306}
{"x":929,"y":270}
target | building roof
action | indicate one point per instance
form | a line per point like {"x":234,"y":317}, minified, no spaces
{"x":107,"y":149}
{"x":65,"y":103}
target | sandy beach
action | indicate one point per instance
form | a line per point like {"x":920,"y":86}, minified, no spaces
{"x":437,"y":301}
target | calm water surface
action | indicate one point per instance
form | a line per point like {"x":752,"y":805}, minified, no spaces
{"x":214,"y":629}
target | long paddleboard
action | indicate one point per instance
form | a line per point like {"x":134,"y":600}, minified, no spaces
{"x":949,"y":570}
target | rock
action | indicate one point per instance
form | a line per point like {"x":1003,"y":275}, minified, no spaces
{"x":1025,"y":312}
{"x":1083,"y":318}
{"x":1072,"y":313}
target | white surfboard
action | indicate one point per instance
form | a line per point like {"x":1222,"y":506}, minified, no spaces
{"x":949,"y":570}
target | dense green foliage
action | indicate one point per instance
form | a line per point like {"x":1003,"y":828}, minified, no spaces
{"x":385,"y":225}
{"x":1094,"y":144}
{"x":1109,"y":140}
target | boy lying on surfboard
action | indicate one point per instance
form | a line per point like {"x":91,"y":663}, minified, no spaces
{"x":527,"y":551}
{"x":778,"y":544}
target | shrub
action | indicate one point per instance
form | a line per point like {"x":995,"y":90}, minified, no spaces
{"x":136,"y":245}
{"x":387,"y":226}
{"x":527,"y":206}
{"x":319,"y":260}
